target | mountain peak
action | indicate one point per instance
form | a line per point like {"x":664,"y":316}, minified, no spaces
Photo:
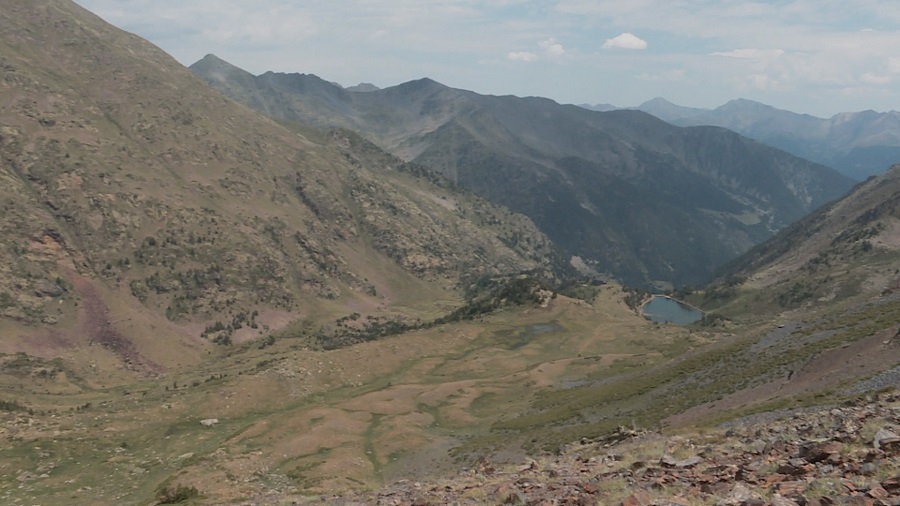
{"x":421,"y":84}
{"x":668,"y":111}
{"x":363,"y":88}
{"x":217,"y":68}
{"x":657,"y":101}
{"x":416,"y":88}
{"x":211,"y":58}
{"x":744,"y":103}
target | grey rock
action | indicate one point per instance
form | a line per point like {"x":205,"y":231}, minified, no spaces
{"x":881,"y":436}
{"x":669,"y":461}
{"x":46,"y":288}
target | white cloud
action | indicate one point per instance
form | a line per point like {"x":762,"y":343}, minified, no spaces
{"x":870,"y":78}
{"x":726,"y":49}
{"x":751,"y":53}
{"x":625,"y":40}
{"x":552,"y":49}
{"x":763,"y":82}
{"x":522,"y":56}
{"x":669,"y":75}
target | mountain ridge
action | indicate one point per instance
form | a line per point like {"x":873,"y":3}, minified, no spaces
{"x":555,"y":156}
{"x":859,"y":144}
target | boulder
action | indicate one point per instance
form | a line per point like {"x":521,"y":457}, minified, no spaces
{"x":883,"y":437}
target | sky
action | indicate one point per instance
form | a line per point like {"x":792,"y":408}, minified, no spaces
{"x":818,"y":57}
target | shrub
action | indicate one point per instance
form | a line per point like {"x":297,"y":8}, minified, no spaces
{"x":176,"y":494}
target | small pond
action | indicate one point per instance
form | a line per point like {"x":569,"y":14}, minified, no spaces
{"x":662,"y":309}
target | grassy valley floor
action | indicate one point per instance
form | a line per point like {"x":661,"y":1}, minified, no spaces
{"x":262,"y":423}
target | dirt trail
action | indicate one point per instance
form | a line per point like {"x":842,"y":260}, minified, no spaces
{"x":96,"y":324}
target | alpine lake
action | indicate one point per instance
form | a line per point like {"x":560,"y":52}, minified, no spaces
{"x":663,"y":309}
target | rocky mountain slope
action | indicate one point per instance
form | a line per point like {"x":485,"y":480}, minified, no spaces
{"x":858,"y":144}
{"x":141,"y":206}
{"x":630,"y":195}
{"x":846,"y":251}
{"x":846,"y":454}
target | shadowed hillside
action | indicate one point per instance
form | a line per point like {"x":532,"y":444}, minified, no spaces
{"x":633,"y":196}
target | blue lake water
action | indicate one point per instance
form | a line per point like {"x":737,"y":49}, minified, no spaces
{"x":662,"y":309}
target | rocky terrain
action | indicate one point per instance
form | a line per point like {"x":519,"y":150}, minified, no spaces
{"x":847,"y":454}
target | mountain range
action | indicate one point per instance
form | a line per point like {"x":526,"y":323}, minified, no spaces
{"x":858,"y":144}
{"x":200,"y":304}
{"x":629,"y":195}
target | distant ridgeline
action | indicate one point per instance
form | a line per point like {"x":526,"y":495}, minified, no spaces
{"x":652,"y":204}
{"x":858,"y":144}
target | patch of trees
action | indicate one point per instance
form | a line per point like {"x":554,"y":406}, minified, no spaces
{"x":176,"y":494}
{"x":488,"y":294}
{"x":635,"y":297}
{"x":220,"y":333}
{"x":484,"y":295}
{"x":13,"y":406}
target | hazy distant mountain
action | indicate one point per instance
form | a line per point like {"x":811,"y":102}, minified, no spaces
{"x":363,"y":87}
{"x":665,"y":110}
{"x":632,"y":195}
{"x":599,"y":107}
{"x":858,"y":144}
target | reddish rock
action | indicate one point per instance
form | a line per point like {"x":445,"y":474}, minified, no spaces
{"x":774,"y":478}
{"x":778,"y":500}
{"x":818,"y":451}
{"x":892,"y":484}
{"x":509,"y":494}
{"x":791,"y":488}
{"x":878,"y":492}
{"x":855,"y":500}
{"x":591,"y":488}
{"x":639,"y":498}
